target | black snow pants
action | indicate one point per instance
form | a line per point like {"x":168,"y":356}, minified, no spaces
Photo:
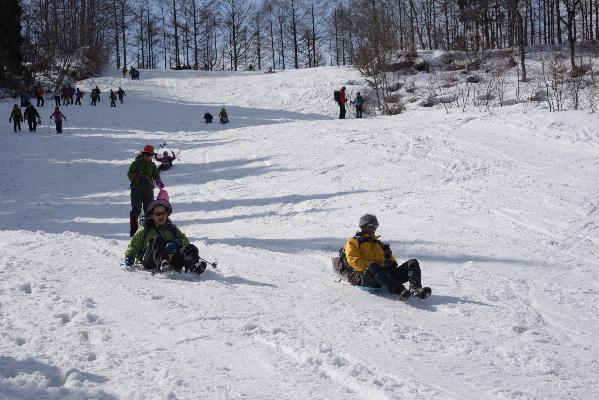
{"x":32,"y":123}
{"x":341,"y":111}
{"x":141,"y":195}
{"x":185,"y":257}
{"x":393,"y":276}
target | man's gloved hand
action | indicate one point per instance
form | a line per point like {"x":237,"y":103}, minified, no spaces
{"x":159,"y":184}
{"x":129,"y":260}
{"x":171,"y":247}
{"x":391,"y":264}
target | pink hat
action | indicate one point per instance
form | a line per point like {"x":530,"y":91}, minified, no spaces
{"x":161,"y":200}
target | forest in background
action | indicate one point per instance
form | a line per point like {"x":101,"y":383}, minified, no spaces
{"x":58,"y":39}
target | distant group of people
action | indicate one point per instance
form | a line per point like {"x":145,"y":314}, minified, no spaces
{"x":133,"y":72}
{"x":341,"y":99}
{"x":63,"y":96}
{"x":113,"y":95}
{"x":223,"y":117}
{"x":33,"y":118}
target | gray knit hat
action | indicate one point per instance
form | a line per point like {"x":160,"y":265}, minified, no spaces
{"x":368,"y":219}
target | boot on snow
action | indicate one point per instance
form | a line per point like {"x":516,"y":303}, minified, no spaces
{"x":422,"y":292}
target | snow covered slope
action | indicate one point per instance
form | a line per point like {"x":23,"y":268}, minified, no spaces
{"x":501,"y":210}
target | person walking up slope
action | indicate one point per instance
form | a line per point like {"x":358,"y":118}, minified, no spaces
{"x":16,"y":117}
{"x":112,"y":98}
{"x":224,"y":117}
{"x":121,"y":94}
{"x":143,"y":175}
{"x":32,"y":116}
{"x":78,"y":96}
{"x":359,"y":103}
{"x":342,"y":101}
{"x":39,"y":94}
{"x":58,"y":117}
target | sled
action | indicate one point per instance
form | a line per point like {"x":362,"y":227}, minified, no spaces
{"x":335,"y":262}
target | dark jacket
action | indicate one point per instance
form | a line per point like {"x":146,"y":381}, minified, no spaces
{"x":142,"y":172}
{"x":31,"y":113}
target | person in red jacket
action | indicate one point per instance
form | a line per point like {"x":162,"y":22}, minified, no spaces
{"x":342,"y":101}
{"x":39,"y":94}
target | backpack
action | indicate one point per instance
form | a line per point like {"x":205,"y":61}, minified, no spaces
{"x":336,"y":96}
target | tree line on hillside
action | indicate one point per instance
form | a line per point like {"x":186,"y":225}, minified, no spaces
{"x":76,"y":38}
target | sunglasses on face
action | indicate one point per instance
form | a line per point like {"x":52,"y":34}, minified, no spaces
{"x":373,"y":226}
{"x":159,"y":214}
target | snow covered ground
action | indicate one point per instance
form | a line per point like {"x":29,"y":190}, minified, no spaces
{"x":500,"y":208}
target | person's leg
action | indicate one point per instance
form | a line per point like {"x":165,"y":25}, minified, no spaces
{"x":155,"y":253}
{"x":383,"y":277}
{"x":136,"y":203}
{"x":190,"y":260}
{"x":30,"y":125}
{"x":408,"y":272}
{"x":14,"y":125}
{"x":147,"y":196}
{"x":58,"y":126}
{"x":34,"y":124}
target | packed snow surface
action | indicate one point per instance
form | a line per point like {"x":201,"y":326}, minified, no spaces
{"x":500,"y":208}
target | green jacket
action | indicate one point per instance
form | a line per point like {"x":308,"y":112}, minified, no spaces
{"x":143,"y":172}
{"x":141,"y":240}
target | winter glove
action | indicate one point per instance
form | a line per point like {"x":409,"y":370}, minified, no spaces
{"x":129,"y":260}
{"x":159,"y":184}
{"x":171,"y":247}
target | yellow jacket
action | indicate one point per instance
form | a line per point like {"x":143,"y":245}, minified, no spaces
{"x":362,"y":249}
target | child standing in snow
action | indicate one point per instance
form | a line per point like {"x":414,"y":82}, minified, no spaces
{"x":58,"y":117}
{"x":112,"y":98}
{"x":16,"y":117}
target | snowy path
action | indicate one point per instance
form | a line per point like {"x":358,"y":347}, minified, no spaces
{"x":500,"y":209}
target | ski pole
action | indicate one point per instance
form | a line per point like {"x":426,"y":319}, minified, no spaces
{"x":164,"y":144}
{"x":212,"y":264}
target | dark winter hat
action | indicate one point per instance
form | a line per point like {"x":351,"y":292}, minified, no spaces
{"x":368,"y":219}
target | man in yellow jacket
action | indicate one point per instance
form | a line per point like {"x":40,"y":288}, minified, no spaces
{"x":370,"y":263}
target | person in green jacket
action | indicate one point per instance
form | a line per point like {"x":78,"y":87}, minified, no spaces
{"x":159,"y":245}
{"x":359,"y":103}
{"x":143,"y":175}
{"x":16,"y":117}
